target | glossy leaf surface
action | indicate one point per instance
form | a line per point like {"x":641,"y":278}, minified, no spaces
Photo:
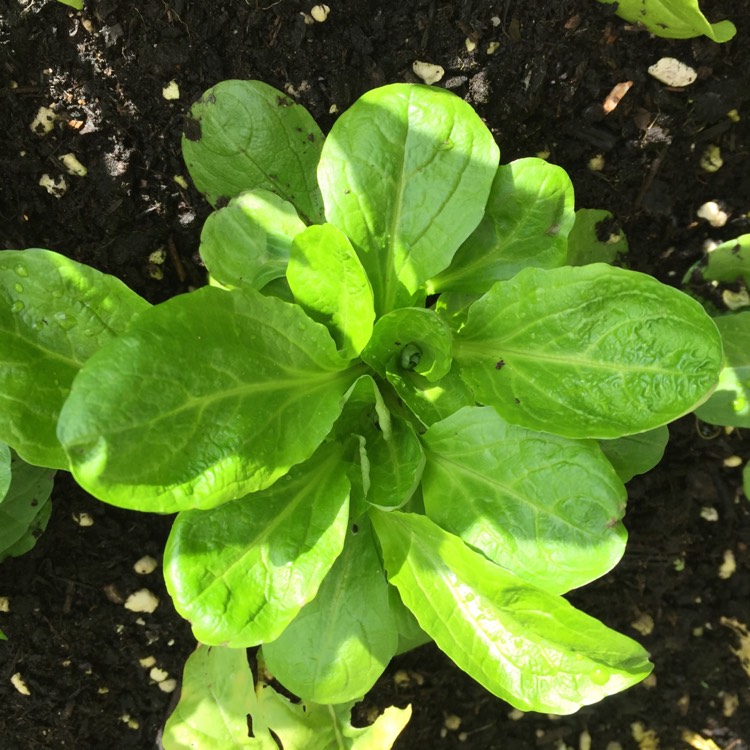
{"x":595,"y":238}
{"x":341,"y":642}
{"x":405,"y":173}
{"x":729,"y":404}
{"x":526,"y":222}
{"x":594,"y":351}
{"x":329,"y":282}
{"x":673,"y":19}
{"x":247,"y":242}
{"x":527,"y":646}
{"x":228,"y":389}
{"x":544,"y":507}
{"x":242,"y":135}
{"x":54,"y":314}
{"x":240,"y":573}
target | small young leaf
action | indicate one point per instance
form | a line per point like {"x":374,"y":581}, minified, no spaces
{"x":218,"y":692}
{"x":636,"y":454}
{"x":673,"y":19}
{"x":25,"y":508}
{"x":730,"y":402}
{"x":240,"y":573}
{"x":410,"y":339}
{"x":328,"y":281}
{"x":54,"y":314}
{"x":527,"y":646}
{"x":228,"y":389}
{"x":730,"y":261}
{"x":526,"y":222}
{"x":405,"y":173}
{"x":594,"y":351}
{"x":544,"y":507}
{"x":340,"y":643}
{"x":595,"y":238}
{"x":242,"y":135}
{"x":247,"y":242}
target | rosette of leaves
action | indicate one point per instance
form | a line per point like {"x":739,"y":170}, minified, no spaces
{"x":383,"y":422}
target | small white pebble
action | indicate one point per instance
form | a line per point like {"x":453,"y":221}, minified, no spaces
{"x":171,"y":91}
{"x":158,"y":675}
{"x":712,"y":213}
{"x":147,"y":564}
{"x":732,"y":462}
{"x":83,"y":519}
{"x":735,"y":300}
{"x":644,"y":624}
{"x":74,"y":167}
{"x":709,"y":514}
{"x":43,"y":121}
{"x":320,"y":13}
{"x":672,"y":72}
{"x":596,"y":163}
{"x":493,"y":47}
{"x":54,"y":186}
{"x":650,"y":682}
{"x":452,"y":722}
{"x":584,"y":741}
{"x":516,"y":714}
{"x":428,"y":72}
{"x":141,"y":601}
{"x":4,"y":604}
{"x":147,"y":661}
{"x":18,"y":683}
{"x":181,"y":181}
{"x":495,"y":21}
{"x":168,"y":686}
{"x":470,"y":44}
{"x":728,"y":568}
{"x":711,"y":160}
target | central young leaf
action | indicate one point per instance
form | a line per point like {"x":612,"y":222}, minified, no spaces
{"x":207,"y":397}
{"x":405,"y":174}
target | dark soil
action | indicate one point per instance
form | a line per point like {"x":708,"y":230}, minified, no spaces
{"x":102,"y":72}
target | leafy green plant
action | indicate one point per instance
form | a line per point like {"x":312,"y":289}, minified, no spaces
{"x":382,"y":423}
{"x":673,"y":19}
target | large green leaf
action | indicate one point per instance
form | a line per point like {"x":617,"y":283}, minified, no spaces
{"x":240,"y":573}
{"x":730,"y":402}
{"x":595,"y":238}
{"x":593,"y":351}
{"x":54,"y":314}
{"x":242,"y":135}
{"x":527,"y":646}
{"x":526,"y":222}
{"x":545,"y":507}
{"x":218,"y":692}
{"x":340,"y":643}
{"x":247,"y":242}
{"x":209,"y":396}
{"x":673,"y":19}
{"x":25,"y":508}
{"x":328,"y":281}
{"x":405,"y":173}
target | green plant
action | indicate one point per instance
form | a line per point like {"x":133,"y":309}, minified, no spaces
{"x":673,"y":19}
{"x":388,"y":419}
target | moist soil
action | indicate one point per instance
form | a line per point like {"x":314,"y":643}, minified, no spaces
{"x":683,"y":587}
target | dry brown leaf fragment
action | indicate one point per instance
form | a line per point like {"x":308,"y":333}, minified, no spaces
{"x":615,"y":96}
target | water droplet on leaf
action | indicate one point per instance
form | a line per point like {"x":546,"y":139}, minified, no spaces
{"x":21,"y":270}
{"x":17,"y":306}
{"x":65,"y":321}
{"x":18,"y":287}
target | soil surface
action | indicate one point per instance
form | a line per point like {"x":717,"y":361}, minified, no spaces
{"x":103,"y":72}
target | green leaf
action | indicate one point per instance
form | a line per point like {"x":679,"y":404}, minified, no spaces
{"x":526,"y":222}
{"x":329,"y":282}
{"x":593,"y":351}
{"x":729,"y":404}
{"x":5,"y":470}
{"x":242,"y":135}
{"x":228,"y":389}
{"x":595,"y":238}
{"x":673,"y":19}
{"x":636,"y":454}
{"x":405,"y":173}
{"x":527,"y":646}
{"x":730,"y":261}
{"x":340,"y":643}
{"x":25,"y":508}
{"x":241,"y":573}
{"x":76,"y":4}
{"x":546,"y":508}
{"x":396,"y":463}
{"x":410,"y":339}
{"x":309,"y":725}
{"x":54,"y":314}
{"x":247,"y":242}
{"x":3,"y":637}
{"x":217,"y":694}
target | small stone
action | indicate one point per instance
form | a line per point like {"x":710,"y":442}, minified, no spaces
{"x":142,"y":601}
{"x":452,"y":722}
{"x":168,"y":686}
{"x":43,"y":121}
{"x":644,"y":624}
{"x":320,"y":13}
{"x":428,"y":72}
{"x":18,"y":683}
{"x":712,"y":213}
{"x":732,"y":462}
{"x":596,"y":163}
{"x":74,"y":167}
{"x":709,"y":514}
{"x":4,"y":604}
{"x":54,"y":186}
{"x":147,"y":661}
{"x":84,"y":520}
{"x":158,"y":675}
{"x":711,"y":160}
{"x":171,"y":91}
{"x":673,"y":72}
{"x":470,"y":44}
{"x":728,"y":568}
{"x":493,"y":47}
